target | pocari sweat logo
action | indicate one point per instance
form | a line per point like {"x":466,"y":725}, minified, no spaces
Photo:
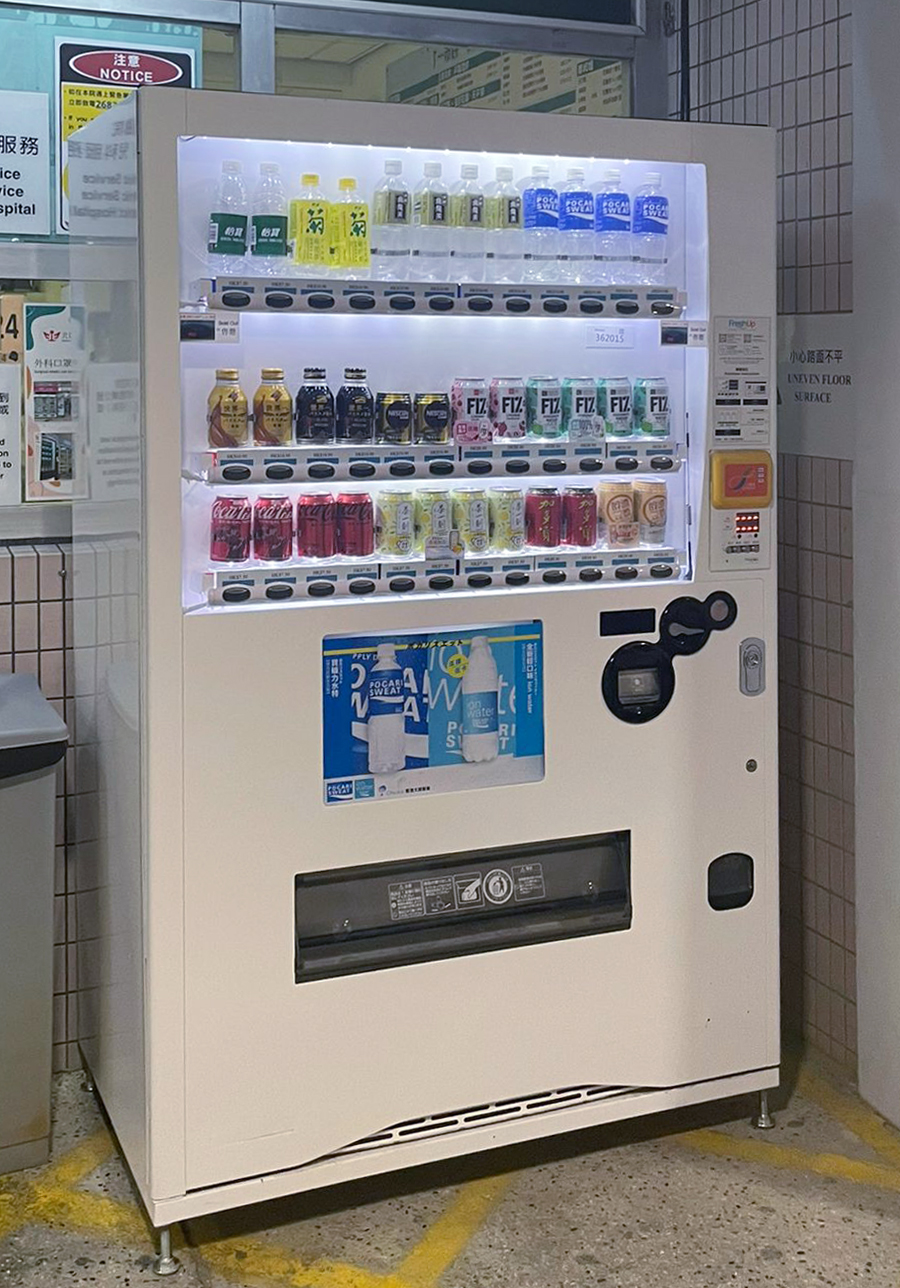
{"x":342,"y":790}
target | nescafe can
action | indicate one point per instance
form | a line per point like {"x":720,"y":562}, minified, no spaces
{"x":273,"y":527}
{"x":229,"y":529}
{"x":431,"y":416}
{"x":316,"y":525}
{"x":543,"y":517}
{"x":393,"y":418}
{"x":579,"y":516}
{"x":355,"y":524}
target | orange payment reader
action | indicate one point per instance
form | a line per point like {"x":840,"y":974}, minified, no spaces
{"x":741,"y":492}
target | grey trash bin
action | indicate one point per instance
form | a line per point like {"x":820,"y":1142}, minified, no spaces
{"x":32,"y":741}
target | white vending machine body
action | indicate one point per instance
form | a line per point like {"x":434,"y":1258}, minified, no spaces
{"x":358,"y":911}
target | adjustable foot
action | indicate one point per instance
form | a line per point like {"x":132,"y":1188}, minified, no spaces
{"x":165,"y":1264}
{"x":763,"y":1120}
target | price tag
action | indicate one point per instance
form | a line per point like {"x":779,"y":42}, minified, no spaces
{"x":608,"y":335}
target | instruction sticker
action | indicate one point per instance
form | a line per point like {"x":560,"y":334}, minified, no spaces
{"x":742,"y":389}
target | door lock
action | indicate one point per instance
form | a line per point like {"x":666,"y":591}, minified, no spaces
{"x":753,"y":667}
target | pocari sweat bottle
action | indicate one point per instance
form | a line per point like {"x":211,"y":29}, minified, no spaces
{"x":480,"y":714}
{"x":650,"y":228}
{"x":612,"y":225}
{"x":576,"y":229}
{"x":269,"y":224}
{"x":226,"y":238}
{"x":503,"y":240}
{"x":391,"y":226}
{"x":386,"y":719}
{"x":540,"y":207}
{"x":431,"y":234}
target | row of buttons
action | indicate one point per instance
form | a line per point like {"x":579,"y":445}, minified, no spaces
{"x":283,"y":471}
{"x":403,"y":585}
{"x":407,"y":302}
{"x":742,"y":550}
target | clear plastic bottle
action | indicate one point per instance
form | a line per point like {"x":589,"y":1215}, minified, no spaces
{"x":312,"y":234}
{"x":649,"y":232}
{"x":391,"y":225}
{"x":386,"y":719}
{"x":576,"y":229}
{"x":350,"y":232}
{"x":480,"y":715}
{"x":467,"y":219}
{"x":612,"y":225}
{"x":431,"y":235}
{"x":540,"y":209}
{"x":504,"y":238}
{"x":269,"y":224}
{"x":226,"y":238}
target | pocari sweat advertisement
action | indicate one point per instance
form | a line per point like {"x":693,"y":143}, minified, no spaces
{"x":410,"y":713}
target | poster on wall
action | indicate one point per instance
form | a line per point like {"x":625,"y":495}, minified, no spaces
{"x":426,"y":712}
{"x":55,"y":434}
{"x":93,"y":76}
{"x":24,"y":164}
{"x":10,"y":434}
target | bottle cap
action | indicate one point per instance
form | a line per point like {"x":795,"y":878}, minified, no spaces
{"x":479,"y":641}
{"x":272,"y":373}
{"x":269,"y":167}
{"x":504,"y":173}
{"x":347,"y":185}
{"x":613,"y":176}
{"x":540,"y":172}
{"x":432,"y":169}
{"x":231,"y":167}
{"x":468,"y":171}
{"x":654,"y":178}
{"x":385,"y":653}
{"x":309,"y":180}
{"x":313,"y":373}
{"x":393,"y":167}
{"x":575,"y":172}
{"x":354,"y":373}
{"x":226,"y":373}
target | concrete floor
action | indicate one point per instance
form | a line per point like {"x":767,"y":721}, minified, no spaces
{"x":695,"y":1198}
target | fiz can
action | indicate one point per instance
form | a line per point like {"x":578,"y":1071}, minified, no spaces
{"x":614,"y":406}
{"x":471,"y":517}
{"x":469,"y":401}
{"x":579,"y":517}
{"x":581,"y":422}
{"x":273,"y":527}
{"x":316,"y":525}
{"x":355,"y":524}
{"x":393,"y":419}
{"x":506,"y":404}
{"x":431,"y":415}
{"x":229,"y":529}
{"x":652,"y":414}
{"x":543,"y":407}
{"x":507,"y":507}
{"x":395,"y":521}
{"x":543,"y":517}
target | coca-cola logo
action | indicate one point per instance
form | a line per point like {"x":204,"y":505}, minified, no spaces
{"x":226,"y":511}
{"x":125,"y":67}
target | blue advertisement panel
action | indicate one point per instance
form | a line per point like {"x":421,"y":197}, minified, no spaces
{"x":415,"y":712}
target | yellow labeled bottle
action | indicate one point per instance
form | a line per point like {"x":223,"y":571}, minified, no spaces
{"x":311,"y":219}
{"x":351,"y":237}
{"x":273,"y":410}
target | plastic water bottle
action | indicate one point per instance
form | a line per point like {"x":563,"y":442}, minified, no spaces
{"x":504,"y":249}
{"x":576,"y":229}
{"x":269,"y":224}
{"x":226,"y":239}
{"x":612,"y":225}
{"x":540,"y":208}
{"x":480,"y":714}
{"x":431,"y":235}
{"x":386,"y":719}
{"x":312,"y":234}
{"x":467,"y":219}
{"x":350,"y":231}
{"x":391,"y":226}
{"x":649,"y":232}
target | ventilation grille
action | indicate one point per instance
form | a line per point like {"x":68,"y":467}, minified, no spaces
{"x":500,"y":1111}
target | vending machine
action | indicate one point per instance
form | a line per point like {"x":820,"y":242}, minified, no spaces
{"x":437,"y":735}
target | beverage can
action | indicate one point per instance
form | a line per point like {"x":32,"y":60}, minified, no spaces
{"x":469,"y":400}
{"x":614,"y":406}
{"x":395,"y":521}
{"x":273,"y":410}
{"x":316,"y":525}
{"x":543,"y":407}
{"x":471,"y":517}
{"x":315,"y":408}
{"x":434,"y":520}
{"x":432,"y":418}
{"x":651,"y":510}
{"x":227,"y":411}
{"x":579,"y":519}
{"x":273,"y":527}
{"x":393,"y":418}
{"x":507,"y":512}
{"x":652,"y":414}
{"x":355,"y":516}
{"x":582,"y":422}
{"x":543,"y":517}
{"x":229,"y":529}
{"x":506,"y":405}
{"x":617,"y":512}
{"x":355,"y":409}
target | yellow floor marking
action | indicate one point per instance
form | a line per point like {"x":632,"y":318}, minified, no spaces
{"x":797,"y":1160}
{"x":451,"y":1233}
{"x":853,"y":1114}
{"x":81,"y":1210}
{"x":11,"y":1204}
{"x":243,"y":1260}
{"x":79,"y":1162}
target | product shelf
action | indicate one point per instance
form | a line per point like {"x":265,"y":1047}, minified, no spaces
{"x":334,"y":295}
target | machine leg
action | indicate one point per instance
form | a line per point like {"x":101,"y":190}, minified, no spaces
{"x":88,"y":1083}
{"x":763,"y":1120}
{"x":165,"y":1264}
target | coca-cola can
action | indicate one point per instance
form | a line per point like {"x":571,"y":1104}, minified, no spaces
{"x":273,"y":527}
{"x":355,"y":524}
{"x":579,"y":516}
{"x":543,"y":517}
{"x":316,"y":525}
{"x":229,"y":529}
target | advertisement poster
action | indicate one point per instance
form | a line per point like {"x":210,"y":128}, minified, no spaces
{"x":55,"y":434}
{"x":92,"y":76}
{"x":10,"y":434}
{"x":24,"y":163}
{"x":423,"y":712}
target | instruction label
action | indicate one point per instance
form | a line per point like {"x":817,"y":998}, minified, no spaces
{"x":742,"y":387}
{"x":10,"y":434}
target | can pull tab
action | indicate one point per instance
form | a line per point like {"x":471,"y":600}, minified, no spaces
{"x":753,"y":667}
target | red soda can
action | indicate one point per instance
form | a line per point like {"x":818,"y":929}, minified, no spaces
{"x":229,"y":529}
{"x":543,"y":517}
{"x":579,"y":516}
{"x":316,"y":525}
{"x":273,"y":527}
{"x":355,"y":524}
